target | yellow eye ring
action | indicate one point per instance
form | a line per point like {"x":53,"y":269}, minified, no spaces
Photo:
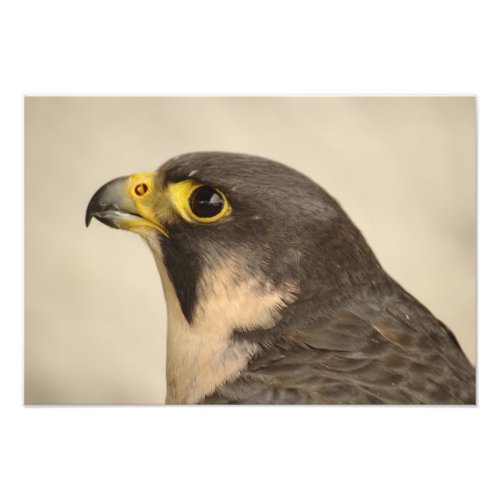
{"x":196,"y":202}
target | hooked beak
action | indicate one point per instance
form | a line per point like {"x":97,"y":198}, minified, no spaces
{"x":126,"y":203}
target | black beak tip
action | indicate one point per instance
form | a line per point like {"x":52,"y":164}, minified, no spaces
{"x":104,"y":199}
{"x":89,"y":213}
{"x":95,"y":204}
{"x":88,"y":218}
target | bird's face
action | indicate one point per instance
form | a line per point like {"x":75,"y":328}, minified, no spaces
{"x":204,"y":212}
{"x":245,"y":246}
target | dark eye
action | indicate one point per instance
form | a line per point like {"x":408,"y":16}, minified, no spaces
{"x":206,"y":202}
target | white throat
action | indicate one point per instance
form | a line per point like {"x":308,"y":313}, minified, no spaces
{"x":200,"y":354}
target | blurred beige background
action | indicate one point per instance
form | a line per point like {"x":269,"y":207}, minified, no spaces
{"x":404,"y":169}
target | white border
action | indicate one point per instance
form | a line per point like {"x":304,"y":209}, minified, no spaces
{"x":227,"y":48}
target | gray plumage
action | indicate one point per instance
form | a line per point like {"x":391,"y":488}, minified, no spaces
{"x":351,"y":336}
{"x":381,"y":346}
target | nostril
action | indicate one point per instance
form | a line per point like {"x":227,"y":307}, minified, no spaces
{"x":140,"y":189}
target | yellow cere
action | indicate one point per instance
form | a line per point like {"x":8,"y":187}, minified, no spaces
{"x":180,"y":194}
{"x":140,"y":189}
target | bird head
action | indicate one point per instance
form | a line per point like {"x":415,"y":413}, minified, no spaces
{"x":240,"y":241}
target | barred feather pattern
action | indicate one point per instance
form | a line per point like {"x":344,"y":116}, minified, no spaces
{"x":380,"y":347}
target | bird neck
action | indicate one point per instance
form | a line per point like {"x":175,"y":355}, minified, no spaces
{"x":201,"y":354}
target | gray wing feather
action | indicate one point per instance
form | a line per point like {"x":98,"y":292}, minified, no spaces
{"x":369,"y":351}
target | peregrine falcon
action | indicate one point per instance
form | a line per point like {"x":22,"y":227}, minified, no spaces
{"x":273,"y":295}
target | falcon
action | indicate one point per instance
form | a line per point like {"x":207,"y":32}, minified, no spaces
{"x":273,"y":295}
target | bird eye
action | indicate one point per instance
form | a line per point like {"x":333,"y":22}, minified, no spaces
{"x":206,"y":202}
